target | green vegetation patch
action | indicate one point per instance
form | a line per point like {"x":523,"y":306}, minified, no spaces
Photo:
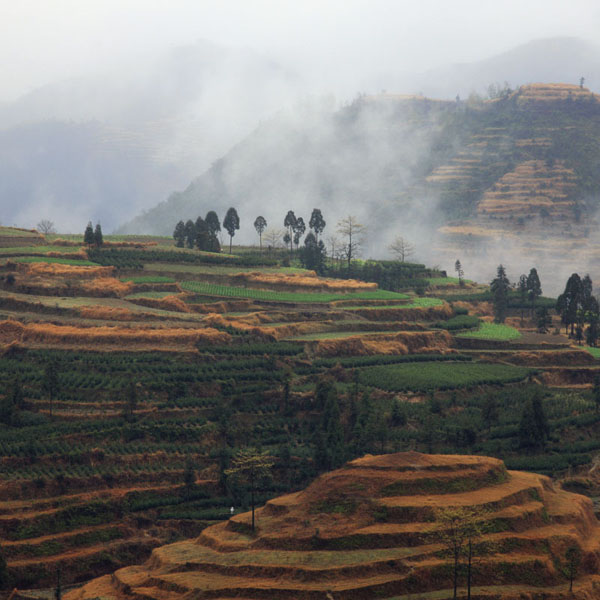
{"x":24,"y":250}
{"x":595,"y":352}
{"x":415,"y":303}
{"x":439,"y":375}
{"x":148,"y":294}
{"x":150,"y":279}
{"x":212,"y":289}
{"x":440,"y":281}
{"x":493,"y":331}
{"x":459,"y":322}
{"x":51,"y":259}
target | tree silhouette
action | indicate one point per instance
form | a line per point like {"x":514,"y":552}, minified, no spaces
{"x":88,"y":236}
{"x":45,"y":226}
{"x":290,"y":223}
{"x":354,"y":233}
{"x":317,"y":222}
{"x":231,"y":223}
{"x":500,"y":287}
{"x":98,"y":237}
{"x":212,"y":222}
{"x":401,"y":248}
{"x":252,"y":466}
{"x":179,"y":234}
{"x":260,"y":224}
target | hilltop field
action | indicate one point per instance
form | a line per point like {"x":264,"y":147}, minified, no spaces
{"x":386,"y":527}
{"x":132,"y":374}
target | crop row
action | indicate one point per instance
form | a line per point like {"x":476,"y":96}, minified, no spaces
{"x":439,"y":375}
{"x":367,"y":361}
{"x":258,"y":348}
{"x":212,"y":289}
{"x":120,"y":256}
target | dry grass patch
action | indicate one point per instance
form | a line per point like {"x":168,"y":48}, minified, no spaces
{"x":46,"y":333}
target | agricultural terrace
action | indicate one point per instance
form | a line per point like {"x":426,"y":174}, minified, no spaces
{"x":131,"y":376}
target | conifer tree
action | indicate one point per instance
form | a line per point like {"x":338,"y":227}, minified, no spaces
{"x":88,"y":236}
{"x":179,"y":234}
{"x":500,"y":287}
{"x":231,"y":223}
{"x":98,"y":238}
{"x":534,"y":288}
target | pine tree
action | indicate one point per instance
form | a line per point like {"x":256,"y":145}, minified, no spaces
{"x":179,"y":234}
{"x":500,"y":287}
{"x":98,"y":238}
{"x":534,"y":288}
{"x":88,"y":236}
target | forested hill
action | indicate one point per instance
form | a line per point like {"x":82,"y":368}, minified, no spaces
{"x":523,"y":158}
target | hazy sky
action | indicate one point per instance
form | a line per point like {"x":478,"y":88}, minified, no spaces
{"x":45,"y":40}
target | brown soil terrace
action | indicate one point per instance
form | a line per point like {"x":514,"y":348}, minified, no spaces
{"x":369,"y":530}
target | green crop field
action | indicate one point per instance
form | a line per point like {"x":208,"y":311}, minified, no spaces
{"x":439,"y":375}
{"x":493,"y":331}
{"x":414,"y":303}
{"x":25,"y":250}
{"x":51,"y":259}
{"x":148,"y":294}
{"x":149,"y":279}
{"x":211,"y":289}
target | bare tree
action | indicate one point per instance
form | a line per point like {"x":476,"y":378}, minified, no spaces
{"x":46,"y":226}
{"x":401,"y":248}
{"x":333,"y":242}
{"x":354,"y":231}
{"x":273,"y":237}
{"x":457,"y":528}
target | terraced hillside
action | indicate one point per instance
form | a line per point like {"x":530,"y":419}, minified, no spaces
{"x":131,"y":375}
{"x":378,"y":527}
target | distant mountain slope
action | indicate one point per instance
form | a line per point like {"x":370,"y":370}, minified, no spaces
{"x":118,"y":142}
{"x":411,"y":163}
{"x":552,"y":59}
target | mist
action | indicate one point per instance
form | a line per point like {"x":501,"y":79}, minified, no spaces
{"x":109,"y":109}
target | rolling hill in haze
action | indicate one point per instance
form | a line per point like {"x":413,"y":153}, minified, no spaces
{"x":112,"y":145}
{"x":521,"y":167}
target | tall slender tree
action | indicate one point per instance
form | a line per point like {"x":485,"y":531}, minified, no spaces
{"x":534,"y":288}
{"x":523,"y":294}
{"x":260,"y":224}
{"x":252,"y":466}
{"x":179,"y":234}
{"x":299,"y":229}
{"x":354,"y":233}
{"x":190,"y":233}
{"x":290,"y":223}
{"x":88,"y":236}
{"x":231,"y":223}
{"x":212,"y":222}
{"x":98,"y":238}
{"x":500,"y":287}
{"x":317,"y":222}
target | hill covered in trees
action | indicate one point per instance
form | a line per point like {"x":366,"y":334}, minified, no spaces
{"x":473,"y":170}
